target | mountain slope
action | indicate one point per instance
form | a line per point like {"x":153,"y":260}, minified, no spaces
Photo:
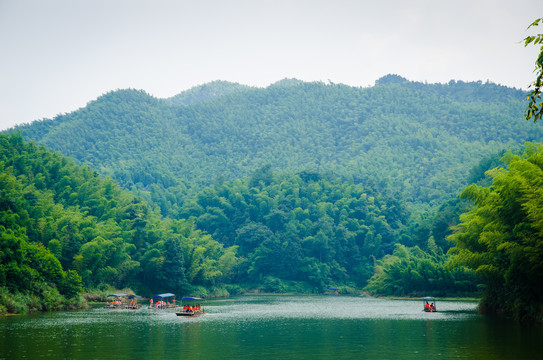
{"x":205,"y":92}
{"x":417,"y":140}
{"x":63,"y":226}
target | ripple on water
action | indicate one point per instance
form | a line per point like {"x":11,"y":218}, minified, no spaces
{"x":261,"y":308}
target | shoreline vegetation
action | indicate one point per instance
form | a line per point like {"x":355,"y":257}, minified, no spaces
{"x":48,"y":299}
{"x":19,"y":304}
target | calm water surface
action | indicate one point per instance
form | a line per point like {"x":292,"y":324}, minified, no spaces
{"x":273,"y":327}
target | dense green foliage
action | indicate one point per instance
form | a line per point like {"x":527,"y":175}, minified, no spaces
{"x":302,"y":231}
{"x":323,"y":232}
{"x":303,"y":227}
{"x":63,"y":227}
{"x":415,"y":139}
{"x":413,"y":272}
{"x":501,"y":237}
{"x":535,"y":107}
{"x":364,"y":191}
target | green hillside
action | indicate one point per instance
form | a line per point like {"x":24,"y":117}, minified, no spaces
{"x":413,"y":139}
{"x":63,"y":228}
{"x":295,"y":187}
{"x":316,"y":230}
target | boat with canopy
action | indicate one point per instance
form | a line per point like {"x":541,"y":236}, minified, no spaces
{"x":116,"y":302}
{"x":191,"y":306}
{"x":429,"y":304}
{"x":332,"y":291}
{"x":133,"y":304}
{"x":163,"y":301}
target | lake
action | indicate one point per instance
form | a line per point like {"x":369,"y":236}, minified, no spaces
{"x":273,"y":327}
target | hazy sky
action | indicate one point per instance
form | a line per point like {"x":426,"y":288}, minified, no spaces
{"x":57,"y":55}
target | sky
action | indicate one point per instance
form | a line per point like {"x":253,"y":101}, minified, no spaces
{"x":58,"y":55}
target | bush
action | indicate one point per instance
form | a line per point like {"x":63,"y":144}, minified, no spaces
{"x":51,"y":299}
{"x":198,"y":291}
{"x":43,"y":298}
{"x":234,"y":289}
{"x":218,"y":292}
{"x":76,"y":302}
{"x":272,"y":284}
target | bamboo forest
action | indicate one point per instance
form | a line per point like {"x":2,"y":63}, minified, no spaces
{"x":403,"y":188}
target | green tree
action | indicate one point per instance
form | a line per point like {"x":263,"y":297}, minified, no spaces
{"x":174,"y":268}
{"x":535,"y":108}
{"x":413,"y":272}
{"x":502,"y":237}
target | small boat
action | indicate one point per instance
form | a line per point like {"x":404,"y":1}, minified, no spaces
{"x":190,"y":306}
{"x":133,"y":305}
{"x":429,"y":304}
{"x":117,"y":303}
{"x":163,"y":301}
{"x":332,"y":291}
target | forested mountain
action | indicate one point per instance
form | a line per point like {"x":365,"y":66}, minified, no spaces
{"x":62,"y":228}
{"x":295,"y":187}
{"x":316,"y":231}
{"x":413,"y":139}
{"x":304,"y":227}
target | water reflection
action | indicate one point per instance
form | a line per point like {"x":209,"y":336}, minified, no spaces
{"x":272,"y":327}
{"x":329,"y":307}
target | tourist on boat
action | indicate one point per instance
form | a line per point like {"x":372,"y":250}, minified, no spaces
{"x":427,"y":306}
{"x":432,"y":308}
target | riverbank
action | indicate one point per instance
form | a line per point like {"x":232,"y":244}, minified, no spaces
{"x":46,"y":298}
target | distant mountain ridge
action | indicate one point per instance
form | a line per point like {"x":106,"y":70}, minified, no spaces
{"x":417,"y":140}
{"x":205,"y":92}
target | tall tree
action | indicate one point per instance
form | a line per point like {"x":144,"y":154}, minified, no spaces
{"x":174,"y":267}
{"x":502,"y":237}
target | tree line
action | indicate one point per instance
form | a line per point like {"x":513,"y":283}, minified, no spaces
{"x":417,"y":139}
